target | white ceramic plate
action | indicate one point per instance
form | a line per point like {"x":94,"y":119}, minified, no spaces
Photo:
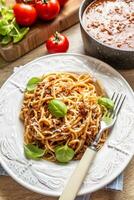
{"x":49,"y":178}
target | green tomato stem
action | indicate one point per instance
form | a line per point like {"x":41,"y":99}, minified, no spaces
{"x":56,"y":37}
{"x":45,"y":1}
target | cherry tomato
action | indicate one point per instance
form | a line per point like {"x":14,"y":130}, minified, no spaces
{"x":62,"y":2}
{"x":47,"y":9}
{"x":25,"y":14}
{"x":57,"y":43}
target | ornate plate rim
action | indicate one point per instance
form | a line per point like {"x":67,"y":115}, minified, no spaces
{"x":87,"y":190}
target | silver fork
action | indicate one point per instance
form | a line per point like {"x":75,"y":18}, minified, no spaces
{"x":108,"y":120}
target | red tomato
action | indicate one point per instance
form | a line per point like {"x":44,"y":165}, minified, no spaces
{"x":62,"y":2}
{"x":47,"y":9}
{"x":57,"y":43}
{"x":25,"y":14}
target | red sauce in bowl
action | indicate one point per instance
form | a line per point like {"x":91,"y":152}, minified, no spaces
{"x":111,"y":22}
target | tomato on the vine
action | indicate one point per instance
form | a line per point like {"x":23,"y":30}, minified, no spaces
{"x":57,"y":43}
{"x":25,"y":14}
{"x":47,"y":9}
{"x":62,"y":2}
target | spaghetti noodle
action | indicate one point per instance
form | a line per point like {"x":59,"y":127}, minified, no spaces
{"x":77,"y":128}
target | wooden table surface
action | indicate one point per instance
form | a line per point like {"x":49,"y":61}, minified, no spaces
{"x":9,"y":189}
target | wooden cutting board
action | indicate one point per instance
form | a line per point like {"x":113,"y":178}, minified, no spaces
{"x":40,"y":32}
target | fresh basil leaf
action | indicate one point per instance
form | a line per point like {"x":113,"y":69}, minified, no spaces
{"x":6,"y":39}
{"x":6,"y":13}
{"x":2,"y":2}
{"x":107,"y":120}
{"x":9,"y":15}
{"x":5,"y":27}
{"x":108,"y":103}
{"x":8,"y":26}
{"x":57,"y":108}
{"x":23,"y":31}
{"x":64,"y":153}
{"x":32,"y":83}
{"x":13,"y":32}
{"x":33,"y":152}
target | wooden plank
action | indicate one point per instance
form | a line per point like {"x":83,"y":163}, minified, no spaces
{"x":40,"y":32}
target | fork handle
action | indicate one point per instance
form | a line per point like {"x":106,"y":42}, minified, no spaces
{"x":74,"y":183}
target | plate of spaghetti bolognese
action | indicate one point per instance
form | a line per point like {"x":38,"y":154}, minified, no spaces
{"x":50,"y":112}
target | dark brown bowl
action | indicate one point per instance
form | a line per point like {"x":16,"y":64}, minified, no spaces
{"x":118,"y":58}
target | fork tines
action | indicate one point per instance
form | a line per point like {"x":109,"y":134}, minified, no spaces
{"x":118,"y":100}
